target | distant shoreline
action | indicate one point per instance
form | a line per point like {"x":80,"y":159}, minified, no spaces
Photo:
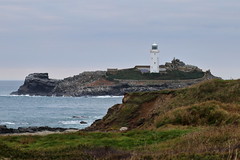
{"x":41,"y":133}
{"x":42,"y":130}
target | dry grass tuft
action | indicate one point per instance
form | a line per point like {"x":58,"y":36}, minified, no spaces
{"x":206,"y":113}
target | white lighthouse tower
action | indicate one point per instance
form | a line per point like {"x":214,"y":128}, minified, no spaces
{"x":154,"y":65}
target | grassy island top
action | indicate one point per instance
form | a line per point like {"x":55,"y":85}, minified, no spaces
{"x":135,"y":74}
{"x":174,"y":70}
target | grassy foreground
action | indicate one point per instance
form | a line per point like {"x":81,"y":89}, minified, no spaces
{"x":169,"y":142}
{"x":201,"y":122}
{"x":84,"y":145}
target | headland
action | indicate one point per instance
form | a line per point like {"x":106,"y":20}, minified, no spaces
{"x":116,"y":82}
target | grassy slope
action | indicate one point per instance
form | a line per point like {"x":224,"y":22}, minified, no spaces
{"x":214,"y":102}
{"x":199,"y":122}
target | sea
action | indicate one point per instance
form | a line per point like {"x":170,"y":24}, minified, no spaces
{"x":65,"y":112}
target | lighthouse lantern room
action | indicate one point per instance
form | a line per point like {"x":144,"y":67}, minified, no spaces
{"x":154,"y":64}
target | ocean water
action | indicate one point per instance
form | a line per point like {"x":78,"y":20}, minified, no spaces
{"x":66,"y":112}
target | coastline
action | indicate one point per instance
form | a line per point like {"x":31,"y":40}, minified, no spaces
{"x":42,"y":130}
{"x":41,"y":133}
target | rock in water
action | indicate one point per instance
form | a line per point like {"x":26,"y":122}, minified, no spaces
{"x":83,"y":122}
{"x":37,"y":84}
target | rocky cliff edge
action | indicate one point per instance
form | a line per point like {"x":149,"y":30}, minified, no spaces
{"x":97,"y":84}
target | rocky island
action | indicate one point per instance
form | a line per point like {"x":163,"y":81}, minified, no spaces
{"x":115,"y":82}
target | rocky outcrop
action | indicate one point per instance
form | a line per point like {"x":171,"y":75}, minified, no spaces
{"x":5,"y":130}
{"x":176,"y":64}
{"x":97,"y":84}
{"x":37,"y":84}
{"x":84,"y":84}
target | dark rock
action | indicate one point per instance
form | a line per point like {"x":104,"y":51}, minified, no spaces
{"x":3,"y":126}
{"x":83,"y":122}
{"x":37,"y":84}
{"x":76,"y":117}
{"x":5,"y":130}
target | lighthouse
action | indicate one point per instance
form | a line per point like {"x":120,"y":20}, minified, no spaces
{"x":154,"y":64}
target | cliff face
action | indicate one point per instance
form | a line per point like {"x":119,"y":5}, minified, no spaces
{"x":37,"y":84}
{"x":97,"y":84}
{"x":214,"y":103}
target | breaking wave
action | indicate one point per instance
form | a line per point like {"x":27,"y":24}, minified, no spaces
{"x":7,"y":123}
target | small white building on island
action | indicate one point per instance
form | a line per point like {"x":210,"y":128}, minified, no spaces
{"x":154,"y":62}
{"x":154,"y":66}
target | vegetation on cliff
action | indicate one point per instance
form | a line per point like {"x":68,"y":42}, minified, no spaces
{"x":198,"y":122}
{"x":213,"y":102}
{"x":174,"y":70}
{"x":135,"y":74}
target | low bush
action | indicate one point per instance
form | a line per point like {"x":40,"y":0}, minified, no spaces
{"x":206,"y":113}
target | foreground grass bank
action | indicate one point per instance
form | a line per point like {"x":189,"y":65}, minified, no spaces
{"x":169,"y":142}
{"x":84,"y":145}
{"x":201,"y":122}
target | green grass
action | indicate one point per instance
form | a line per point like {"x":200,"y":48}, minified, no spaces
{"x":61,"y":146}
{"x":128,"y":140}
{"x":143,"y":97}
{"x":219,"y":90}
{"x":134,"y":74}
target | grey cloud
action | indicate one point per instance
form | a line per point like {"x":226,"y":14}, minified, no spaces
{"x":80,"y":33}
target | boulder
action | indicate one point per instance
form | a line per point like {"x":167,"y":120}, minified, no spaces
{"x":4,"y":129}
{"x":122,"y":129}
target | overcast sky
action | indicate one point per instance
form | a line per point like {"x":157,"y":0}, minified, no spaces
{"x":66,"y":37}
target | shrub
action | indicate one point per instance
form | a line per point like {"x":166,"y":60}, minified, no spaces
{"x":206,"y":113}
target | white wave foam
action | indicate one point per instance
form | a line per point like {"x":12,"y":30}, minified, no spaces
{"x":26,"y":95}
{"x":5,"y":95}
{"x":107,"y":96}
{"x":70,"y":122}
{"x":7,"y":123}
{"x":24,"y":123}
{"x":97,"y":117}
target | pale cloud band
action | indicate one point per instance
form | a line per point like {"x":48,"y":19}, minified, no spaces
{"x":99,"y":34}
